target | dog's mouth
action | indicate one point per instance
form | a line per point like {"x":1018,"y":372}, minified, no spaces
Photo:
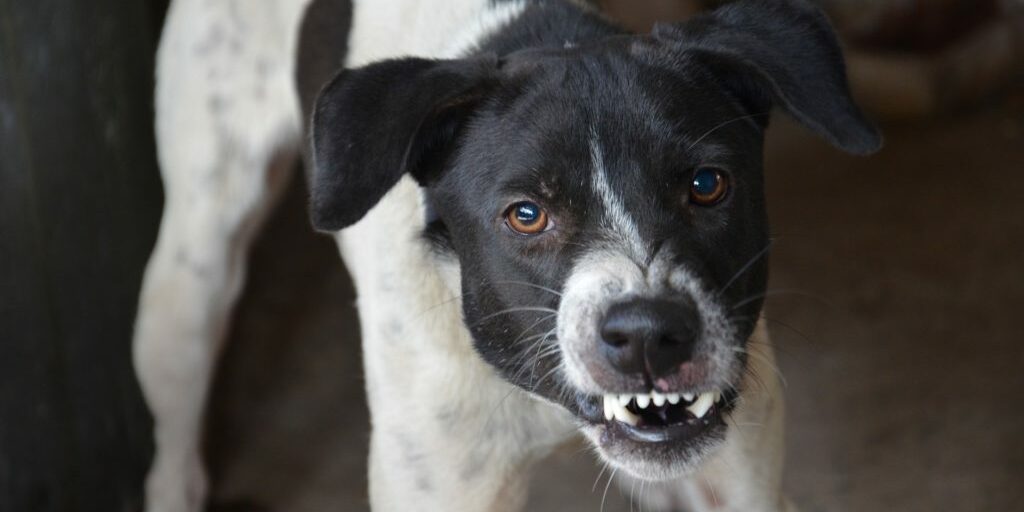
{"x":655,"y":435}
{"x":672,"y":417}
{"x":666,"y":419}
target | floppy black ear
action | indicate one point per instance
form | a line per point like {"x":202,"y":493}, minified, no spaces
{"x":783,"y":52}
{"x":374,"y":124}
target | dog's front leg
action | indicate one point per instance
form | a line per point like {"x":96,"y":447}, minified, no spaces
{"x":746,"y":473}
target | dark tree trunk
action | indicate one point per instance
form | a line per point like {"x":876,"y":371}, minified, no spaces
{"x":79,"y":205}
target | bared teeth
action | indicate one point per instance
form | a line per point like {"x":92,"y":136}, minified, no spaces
{"x":657,"y":398}
{"x":643,"y":401}
{"x":703,"y":403}
{"x":624,"y":415}
{"x":614,"y":408}
{"x":615,"y":405}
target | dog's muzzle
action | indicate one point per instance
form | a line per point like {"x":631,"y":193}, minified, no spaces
{"x":654,"y":338}
{"x":653,"y":359}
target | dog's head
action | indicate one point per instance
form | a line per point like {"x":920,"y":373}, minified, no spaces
{"x":604,"y":202}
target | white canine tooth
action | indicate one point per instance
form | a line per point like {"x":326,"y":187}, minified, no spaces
{"x":673,"y":398}
{"x":643,"y":401}
{"x":609,"y":407}
{"x":688,"y":397}
{"x":625,"y":399}
{"x":718,"y":396}
{"x":622,"y":414}
{"x":657,"y":398}
{"x":703,"y":403}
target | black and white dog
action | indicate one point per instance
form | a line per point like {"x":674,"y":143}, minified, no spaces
{"x":553,"y":226}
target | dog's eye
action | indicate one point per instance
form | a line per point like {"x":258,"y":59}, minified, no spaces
{"x":527,"y":218}
{"x":708,"y":187}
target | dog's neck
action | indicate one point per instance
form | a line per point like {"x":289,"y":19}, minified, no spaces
{"x":514,"y":25}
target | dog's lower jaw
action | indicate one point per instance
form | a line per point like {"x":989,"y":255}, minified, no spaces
{"x":744,"y":473}
{"x":737,"y":467}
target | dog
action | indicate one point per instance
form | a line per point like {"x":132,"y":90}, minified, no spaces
{"x":555,"y":227}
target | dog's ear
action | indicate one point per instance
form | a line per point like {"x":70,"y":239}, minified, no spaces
{"x":781,"y":52}
{"x":374,"y":124}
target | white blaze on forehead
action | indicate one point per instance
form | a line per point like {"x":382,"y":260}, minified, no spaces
{"x":619,"y":221}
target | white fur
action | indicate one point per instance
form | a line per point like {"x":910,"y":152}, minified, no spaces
{"x":479,"y":28}
{"x":396,"y":28}
{"x":461,"y":438}
{"x":619,"y":220}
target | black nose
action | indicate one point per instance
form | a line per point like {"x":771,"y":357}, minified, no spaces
{"x":656,"y":335}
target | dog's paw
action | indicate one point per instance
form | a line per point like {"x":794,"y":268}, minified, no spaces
{"x":175,"y":486}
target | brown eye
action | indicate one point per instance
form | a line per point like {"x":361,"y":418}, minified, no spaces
{"x":526,"y":218}
{"x":708,"y":187}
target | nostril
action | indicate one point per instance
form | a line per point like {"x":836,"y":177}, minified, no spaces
{"x":621,"y":327}
{"x":669,"y":341}
{"x":652,"y":334}
{"x":615,"y":338}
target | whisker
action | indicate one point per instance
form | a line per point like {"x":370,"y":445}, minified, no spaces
{"x":604,"y":496}
{"x":442,"y":303}
{"x":536,"y":346}
{"x":545,"y":377}
{"x":746,"y":267}
{"x":531,"y":285}
{"x":782,"y":291}
{"x":714,"y":492}
{"x":723,"y":125}
{"x":764,"y":359}
{"x":517,"y":310}
{"x":791,"y":328}
{"x":756,"y":378}
{"x":550,"y":353}
{"x":530,"y":328}
{"x":604,"y":467}
{"x":632,"y":488}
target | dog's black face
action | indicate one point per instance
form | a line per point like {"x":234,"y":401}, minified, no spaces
{"x":599,"y":205}
{"x":605,"y":203}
